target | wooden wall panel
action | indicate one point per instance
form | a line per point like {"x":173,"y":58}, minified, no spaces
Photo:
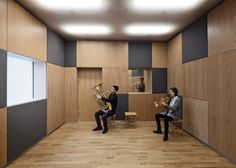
{"x":159,"y":55}
{"x":174,"y":76}
{"x":115,"y":76}
{"x":3,"y":24}
{"x":71,"y":95}
{"x":26,"y":35}
{"x":142,"y":104}
{"x":195,"y":117}
{"x":87,"y":79}
{"x":222,"y":106}
{"x":3,"y":137}
{"x":56,"y":97}
{"x":101,"y":54}
{"x":174,"y":51}
{"x":195,"y":79}
{"x":221,"y":28}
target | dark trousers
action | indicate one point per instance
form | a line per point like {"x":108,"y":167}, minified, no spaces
{"x":166,"y":122}
{"x":104,"y":117}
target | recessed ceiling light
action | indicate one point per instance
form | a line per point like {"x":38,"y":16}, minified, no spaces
{"x":148,"y":29}
{"x":86,"y":29}
{"x":160,"y":5}
{"x":79,"y":5}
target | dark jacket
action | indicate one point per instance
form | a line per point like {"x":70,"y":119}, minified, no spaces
{"x":111,"y":99}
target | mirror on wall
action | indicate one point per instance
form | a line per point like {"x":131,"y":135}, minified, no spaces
{"x":140,"y":80}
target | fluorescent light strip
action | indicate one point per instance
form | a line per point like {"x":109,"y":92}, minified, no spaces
{"x":86,"y":29}
{"x":148,"y":29}
{"x":158,"y":5}
{"x":81,"y":5}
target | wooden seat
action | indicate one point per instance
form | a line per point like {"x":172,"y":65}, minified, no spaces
{"x":130,"y":117}
{"x":175,"y":127}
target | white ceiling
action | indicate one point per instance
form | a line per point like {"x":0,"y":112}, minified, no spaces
{"x":118,"y":15}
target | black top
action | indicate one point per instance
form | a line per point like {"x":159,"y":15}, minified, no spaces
{"x":111,"y":99}
{"x":141,"y":87}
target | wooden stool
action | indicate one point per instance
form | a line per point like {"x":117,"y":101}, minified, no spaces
{"x":130,"y":117}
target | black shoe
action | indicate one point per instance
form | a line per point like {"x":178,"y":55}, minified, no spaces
{"x":165,"y":138}
{"x":157,"y":131}
{"x":104,"y":131}
{"x":97,"y":129}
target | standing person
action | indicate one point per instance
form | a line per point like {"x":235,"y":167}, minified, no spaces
{"x":141,"y":85}
{"x":173,"y":113}
{"x":111,"y":99}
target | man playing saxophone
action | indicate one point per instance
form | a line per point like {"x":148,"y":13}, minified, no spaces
{"x":173,"y":112}
{"x":111,"y":99}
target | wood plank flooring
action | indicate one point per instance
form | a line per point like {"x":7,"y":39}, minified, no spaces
{"x":76,"y":146}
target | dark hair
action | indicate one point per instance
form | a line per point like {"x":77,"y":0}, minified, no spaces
{"x":175,"y":90}
{"x":141,"y":78}
{"x":116,"y":87}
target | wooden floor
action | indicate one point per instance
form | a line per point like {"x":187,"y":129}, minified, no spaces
{"x":76,"y":146}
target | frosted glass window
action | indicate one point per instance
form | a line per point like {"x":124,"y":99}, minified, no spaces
{"x":26,"y":80}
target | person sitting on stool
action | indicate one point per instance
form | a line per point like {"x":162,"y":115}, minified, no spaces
{"x":173,"y":113}
{"x":111,"y":99}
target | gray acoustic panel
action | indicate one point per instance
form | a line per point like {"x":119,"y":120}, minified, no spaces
{"x":194,"y":41}
{"x":137,"y":72}
{"x":26,"y":124}
{"x":3,"y":78}
{"x":70,"y":54}
{"x":122,"y":106}
{"x":159,"y":80}
{"x":140,"y":55}
{"x":55,"y":48}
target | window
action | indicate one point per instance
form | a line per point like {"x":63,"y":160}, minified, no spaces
{"x":26,"y":79}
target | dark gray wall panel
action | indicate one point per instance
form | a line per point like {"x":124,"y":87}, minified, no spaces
{"x":140,"y":55}
{"x":122,"y":106}
{"x":70,"y":54}
{"x":159,"y":80}
{"x":26,"y":124}
{"x":194,"y":41}
{"x":55,"y":48}
{"x":3,"y":78}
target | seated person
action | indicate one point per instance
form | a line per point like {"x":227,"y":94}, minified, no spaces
{"x":141,"y":85}
{"x":173,"y":112}
{"x":111,"y":99}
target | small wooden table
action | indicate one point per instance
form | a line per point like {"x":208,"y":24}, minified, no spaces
{"x":130,"y":117}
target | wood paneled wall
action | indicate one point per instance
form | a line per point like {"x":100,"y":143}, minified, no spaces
{"x":102,"y":54}
{"x":174,"y":63}
{"x":221,"y":28}
{"x":26,"y":35}
{"x":88,"y":78}
{"x":195,"y":117}
{"x":56,"y":97}
{"x":115,"y":76}
{"x":221,"y":78}
{"x":3,"y":24}
{"x":159,"y":55}
{"x":3,"y":137}
{"x":174,"y":77}
{"x":142,"y":104}
{"x":71,"y":95}
{"x":195,"y":79}
{"x":222,"y":106}
{"x":174,"y":51}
